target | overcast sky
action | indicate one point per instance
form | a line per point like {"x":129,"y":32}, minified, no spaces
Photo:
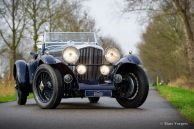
{"x":126,"y":31}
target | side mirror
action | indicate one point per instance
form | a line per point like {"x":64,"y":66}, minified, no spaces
{"x":130,"y":52}
{"x":34,"y":55}
{"x":39,"y":46}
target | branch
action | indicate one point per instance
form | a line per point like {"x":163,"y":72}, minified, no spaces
{"x":20,"y":34}
{"x":40,"y":23}
{"x":140,"y":9}
{"x":6,"y":42}
{"x":177,"y":6}
{"x":3,"y":50}
{"x":165,"y":14}
{"x":7,"y":6}
{"x":18,"y":24}
{"x":38,"y":5}
{"x":7,"y":22}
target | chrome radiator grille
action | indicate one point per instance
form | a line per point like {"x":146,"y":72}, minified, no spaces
{"x":93,"y":58}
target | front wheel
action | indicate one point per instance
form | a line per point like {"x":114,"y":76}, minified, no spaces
{"x":47,"y":87}
{"x":133,"y":90}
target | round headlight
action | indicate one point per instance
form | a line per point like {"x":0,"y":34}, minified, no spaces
{"x":81,"y":69}
{"x":71,"y":55}
{"x":112,"y":55}
{"x":105,"y":70}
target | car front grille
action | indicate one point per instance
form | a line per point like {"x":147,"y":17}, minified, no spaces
{"x":93,"y":59}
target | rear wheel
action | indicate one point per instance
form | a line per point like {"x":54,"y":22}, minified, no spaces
{"x":133,"y":90}
{"x":47,"y":87}
{"x":21,"y":96}
{"x":93,"y":99}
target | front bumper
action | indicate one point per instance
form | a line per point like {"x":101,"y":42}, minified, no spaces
{"x":83,"y":86}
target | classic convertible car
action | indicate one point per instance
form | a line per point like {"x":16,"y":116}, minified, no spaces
{"x":73,"y":64}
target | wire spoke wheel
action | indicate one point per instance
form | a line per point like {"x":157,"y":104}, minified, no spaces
{"x":133,"y":90}
{"x":129,"y":87}
{"x":47,"y":86}
{"x":44,"y":86}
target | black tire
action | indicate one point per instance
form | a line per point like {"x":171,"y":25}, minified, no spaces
{"x":21,"y":97}
{"x":137,"y":96}
{"x":93,"y":99}
{"x":47,"y":87}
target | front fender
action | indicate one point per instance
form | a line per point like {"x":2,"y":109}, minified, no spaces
{"x":65,"y":69}
{"x":20,"y":72}
{"x":132,"y":59}
{"x":48,"y":59}
{"x":126,"y":63}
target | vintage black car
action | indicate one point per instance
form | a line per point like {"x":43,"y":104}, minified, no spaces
{"x":73,"y":64}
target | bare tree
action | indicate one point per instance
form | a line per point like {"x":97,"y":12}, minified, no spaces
{"x":36,"y":10}
{"x":180,"y":8}
{"x":161,"y":50}
{"x":3,"y":49}
{"x":13,"y":17}
{"x":50,"y":14}
{"x":19,"y":16}
{"x":108,"y":42}
{"x":68,"y":16}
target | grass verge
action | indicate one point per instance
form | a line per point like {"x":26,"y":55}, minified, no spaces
{"x":7,"y":94}
{"x":182,"y":99}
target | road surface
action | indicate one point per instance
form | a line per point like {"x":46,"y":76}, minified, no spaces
{"x":155,"y":113}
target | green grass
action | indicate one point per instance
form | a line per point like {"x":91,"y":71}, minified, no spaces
{"x":182,"y":99}
{"x":7,"y":93}
{"x":9,"y":98}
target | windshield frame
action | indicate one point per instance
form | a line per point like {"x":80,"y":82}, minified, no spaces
{"x":69,"y":42}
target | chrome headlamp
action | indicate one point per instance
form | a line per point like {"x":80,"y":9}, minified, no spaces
{"x":112,"y":55}
{"x":71,"y":54}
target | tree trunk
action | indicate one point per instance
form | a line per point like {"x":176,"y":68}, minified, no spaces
{"x":12,"y":59}
{"x":13,"y":46}
{"x":189,"y":42}
{"x":35,"y":36}
{"x":188,"y":33}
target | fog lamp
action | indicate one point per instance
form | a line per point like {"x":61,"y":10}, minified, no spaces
{"x":81,"y":69}
{"x":105,"y":70}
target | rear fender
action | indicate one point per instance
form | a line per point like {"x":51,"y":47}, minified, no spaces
{"x":20,"y":72}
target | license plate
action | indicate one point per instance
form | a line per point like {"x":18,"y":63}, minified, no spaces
{"x":98,"y":93}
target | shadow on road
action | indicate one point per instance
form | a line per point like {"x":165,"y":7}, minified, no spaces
{"x":81,"y":105}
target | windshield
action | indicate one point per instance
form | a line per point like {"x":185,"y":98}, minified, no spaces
{"x":56,"y":38}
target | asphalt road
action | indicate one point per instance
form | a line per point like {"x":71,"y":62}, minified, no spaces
{"x":155,"y":113}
